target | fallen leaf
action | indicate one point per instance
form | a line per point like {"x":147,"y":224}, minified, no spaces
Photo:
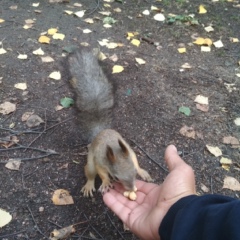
{"x":107,"y":25}
{"x":58,"y":36}
{"x":8,"y":141}
{"x":22,"y":86}
{"x":52,"y":31}
{"x":234,"y":40}
{"x":22,"y":56}
{"x":7,"y":107}
{"x":87,"y":31}
{"x":185,"y":110}
{"x":218,"y":44}
{"x":80,"y":14}
{"x":117,"y":69}
{"x":204,"y":188}
{"x":5,"y":217}
{"x":39,"y":51}
{"x":216,"y":151}
{"x":77,"y":5}
{"x":202,"y":10}
{"x":34,"y":121}
{"x":231,"y":183}
{"x":62,"y":233}
{"x":114,"y":57}
{"x":55,"y":75}
{"x":105,"y":13}
{"x":209,"y":29}
{"x":205,"y":49}
{"x":118,"y":10}
{"x":159,"y":17}
{"x":203,"y":41}
{"x":135,"y":42}
{"x":146,"y":12}
{"x":182,"y":50}
{"x":237,"y":121}
{"x":186,"y":66}
{"x":68,"y":12}
{"x":231,"y":140}
{"x":35,"y":4}
{"x":2,"y":51}
{"x":26,"y":115}
{"x":44,"y":39}
{"x":89,"y":20}
{"x":202,"y":107}
{"x":13,"y":164}
{"x":58,"y":108}
{"x":62,"y":197}
{"x":47,"y":59}
{"x":201,"y":99}
{"x":140,"y":61}
{"x":112,"y":45}
{"x":153,"y":8}
{"x":224,"y":160}
{"x":66,"y":102}
{"x":188,"y":132}
{"x":2,"y":20}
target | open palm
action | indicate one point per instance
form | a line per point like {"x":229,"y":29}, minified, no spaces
{"x":145,"y":215}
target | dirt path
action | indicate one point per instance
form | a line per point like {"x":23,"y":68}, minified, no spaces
{"x":148,"y":98}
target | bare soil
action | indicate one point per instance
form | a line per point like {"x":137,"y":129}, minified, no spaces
{"x":146,"y":111}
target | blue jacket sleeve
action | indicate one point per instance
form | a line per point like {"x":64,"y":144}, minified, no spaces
{"x":208,"y":217}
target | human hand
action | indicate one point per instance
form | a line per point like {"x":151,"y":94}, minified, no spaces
{"x":145,"y":215}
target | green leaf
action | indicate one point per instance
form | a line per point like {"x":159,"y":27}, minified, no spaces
{"x":66,"y":102}
{"x":109,"y":20}
{"x":185,"y":110}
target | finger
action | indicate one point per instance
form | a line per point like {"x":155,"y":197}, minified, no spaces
{"x":172,"y":158}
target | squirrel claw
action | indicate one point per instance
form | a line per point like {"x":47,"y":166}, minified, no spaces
{"x":88,"y":189}
{"x":105,"y":187}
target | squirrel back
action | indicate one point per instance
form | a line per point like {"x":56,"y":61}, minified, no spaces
{"x":93,"y":91}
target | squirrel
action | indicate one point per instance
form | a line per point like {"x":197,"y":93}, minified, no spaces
{"x":109,"y":155}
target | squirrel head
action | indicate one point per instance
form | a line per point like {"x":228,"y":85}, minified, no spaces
{"x":122,"y":167}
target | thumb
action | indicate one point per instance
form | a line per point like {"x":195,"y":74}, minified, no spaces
{"x":172,"y":158}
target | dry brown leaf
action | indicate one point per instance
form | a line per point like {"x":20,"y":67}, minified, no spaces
{"x":26,"y":115}
{"x":8,"y":141}
{"x":231,"y":183}
{"x":231,"y":140}
{"x":47,"y":59}
{"x":62,"y":233}
{"x":62,"y":197}
{"x":201,"y":99}
{"x":188,"y":132}
{"x":34,"y":121}
{"x":13,"y":164}
{"x":7,"y":107}
{"x":204,"y":188}
{"x":202,"y":107}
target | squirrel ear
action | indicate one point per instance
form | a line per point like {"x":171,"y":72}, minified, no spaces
{"x":123,"y":147}
{"x":110,"y":154}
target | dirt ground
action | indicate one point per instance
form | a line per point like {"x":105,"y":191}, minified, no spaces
{"x":146,"y":113}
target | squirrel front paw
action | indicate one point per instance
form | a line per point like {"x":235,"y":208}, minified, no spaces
{"x":88,"y":189}
{"x":145,"y":175}
{"x":105,"y":187}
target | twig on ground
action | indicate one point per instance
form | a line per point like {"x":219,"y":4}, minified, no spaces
{"x":38,"y":229}
{"x":12,"y":234}
{"x":149,"y":156}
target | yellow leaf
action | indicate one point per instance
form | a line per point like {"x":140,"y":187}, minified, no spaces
{"x":44,"y":39}
{"x":135,"y":42}
{"x":62,"y":197}
{"x":140,"y":61}
{"x":117,"y":69}
{"x":199,"y":41}
{"x":58,"y":36}
{"x":182,"y":50}
{"x":52,"y":31}
{"x":214,"y":150}
{"x":208,"y":42}
{"x":202,"y":10}
{"x":209,"y":29}
{"x":2,"y":20}
{"x":224,"y":160}
{"x":234,"y":40}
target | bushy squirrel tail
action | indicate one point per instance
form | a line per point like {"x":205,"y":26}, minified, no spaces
{"x":93,"y":92}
